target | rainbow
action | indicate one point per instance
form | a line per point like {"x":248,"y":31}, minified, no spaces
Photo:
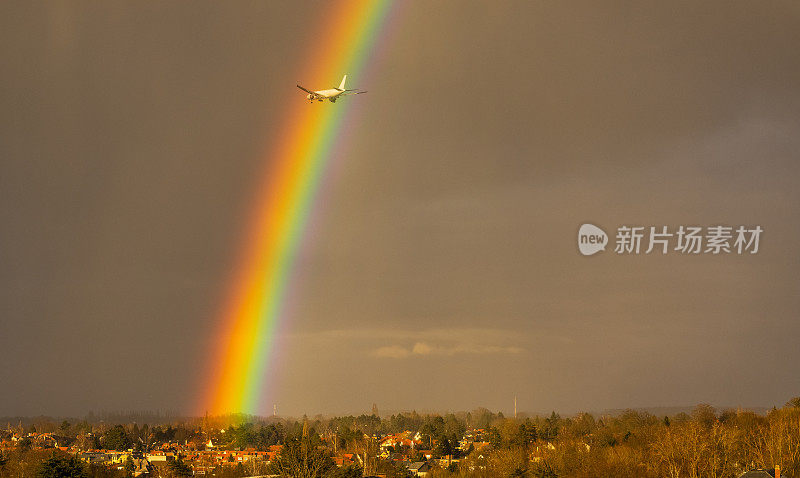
{"x":295,"y":166}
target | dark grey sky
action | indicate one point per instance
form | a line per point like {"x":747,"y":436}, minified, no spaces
{"x":442,"y":272}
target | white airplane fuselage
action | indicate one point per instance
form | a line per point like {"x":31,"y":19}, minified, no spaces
{"x":323,"y":95}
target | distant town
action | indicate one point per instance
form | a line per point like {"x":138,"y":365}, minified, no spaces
{"x":702,"y":442}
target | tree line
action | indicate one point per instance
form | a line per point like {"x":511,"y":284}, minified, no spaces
{"x":480,"y":443}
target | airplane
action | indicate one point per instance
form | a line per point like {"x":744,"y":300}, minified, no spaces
{"x":333,"y":94}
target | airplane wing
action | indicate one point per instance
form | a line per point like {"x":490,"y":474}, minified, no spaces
{"x":307,"y":91}
{"x":352,"y":92}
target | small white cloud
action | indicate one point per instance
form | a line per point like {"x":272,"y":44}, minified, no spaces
{"x":421,"y":348}
{"x":425,"y":348}
{"x":406,"y":343}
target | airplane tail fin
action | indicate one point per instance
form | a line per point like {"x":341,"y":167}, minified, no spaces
{"x":341,"y":87}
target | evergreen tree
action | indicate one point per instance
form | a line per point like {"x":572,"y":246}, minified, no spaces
{"x":61,"y":467}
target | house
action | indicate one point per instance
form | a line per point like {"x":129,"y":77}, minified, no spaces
{"x":446,"y":461}
{"x":94,"y":457}
{"x":160,"y":456}
{"x":419,"y":468}
{"x":428,"y":454}
{"x":761,"y":473}
{"x":344,"y":459}
{"x":141,"y":467}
